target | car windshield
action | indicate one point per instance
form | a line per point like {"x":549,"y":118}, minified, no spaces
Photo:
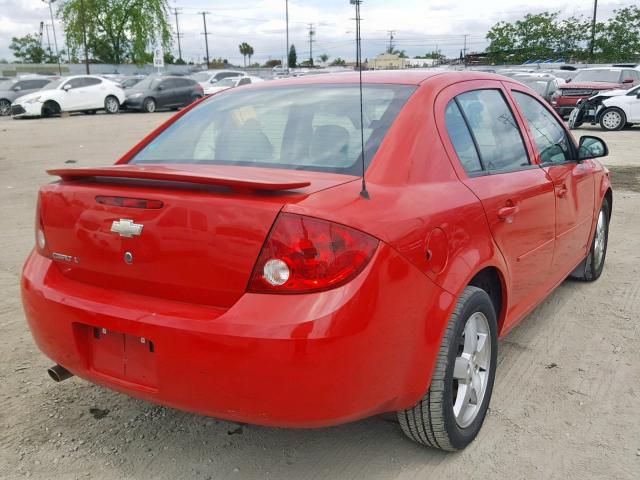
{"x":201,"y":77}
{"x":540,"y":86}
{"x":227,"y":82}
{"x":148,"y":83}
{"x":602,"y":75}
{"x":312,"y":127}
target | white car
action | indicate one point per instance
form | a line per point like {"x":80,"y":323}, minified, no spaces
{"x":81,"y":93}
{"x":618,"y":108}
{"x":231,"y":82}
{"x":208,"y":78}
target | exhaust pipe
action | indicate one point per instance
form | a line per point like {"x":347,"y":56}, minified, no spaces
{"x":58,"y":373}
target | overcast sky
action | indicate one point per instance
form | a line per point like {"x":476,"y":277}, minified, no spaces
{"x":419,"y":25}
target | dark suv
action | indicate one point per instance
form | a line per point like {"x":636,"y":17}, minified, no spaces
{"x":589,"y":82}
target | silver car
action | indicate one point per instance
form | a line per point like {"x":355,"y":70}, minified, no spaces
{"x":12,"y":89}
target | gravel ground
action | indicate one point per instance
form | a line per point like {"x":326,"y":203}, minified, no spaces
{"x":565,"y":404}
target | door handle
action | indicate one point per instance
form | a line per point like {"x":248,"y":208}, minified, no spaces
{"x":506,"y":213}
{"x":562,"y":191}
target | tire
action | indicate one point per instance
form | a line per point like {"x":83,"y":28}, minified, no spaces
{"x":433,"y":421}
{"x":613,"y":119}
{"x":195,"y":98}
{"x":149,"y":105}
{"x":5,"y":107}
{"x":591,"y":267}
{"x":111,"y":105}
{"x":50,"y":108}
{"x":90,"y":112}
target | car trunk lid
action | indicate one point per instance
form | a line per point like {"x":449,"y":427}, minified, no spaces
{"x":189,"y":233}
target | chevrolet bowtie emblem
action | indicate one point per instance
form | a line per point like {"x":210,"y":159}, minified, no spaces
{"x":126,"y":228}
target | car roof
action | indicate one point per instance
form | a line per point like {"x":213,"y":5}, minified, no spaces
{"x":398,"y":77}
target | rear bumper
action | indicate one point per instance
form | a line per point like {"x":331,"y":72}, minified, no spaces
{"x":281,"y":360}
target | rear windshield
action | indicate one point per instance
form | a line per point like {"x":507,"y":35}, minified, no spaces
{"x":609,"y":76}
{"x":312,"y":127}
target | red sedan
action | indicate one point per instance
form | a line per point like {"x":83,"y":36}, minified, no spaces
{"x":235,"y":264}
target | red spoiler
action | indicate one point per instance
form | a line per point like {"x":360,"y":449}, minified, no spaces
{"x":246,"y":178}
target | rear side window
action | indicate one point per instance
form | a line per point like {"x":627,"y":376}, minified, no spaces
{"x":244,"y":81}
{"x":461,"y":139}
{"x":89,"y":82}
{"x":494,"y":129}
{"x":312,"y":127}
{"x":549,"y":136}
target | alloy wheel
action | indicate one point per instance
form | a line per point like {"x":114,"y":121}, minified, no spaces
{"x":112,"y":105}
{"x":471,"y":370}
{"x":5,"y":107}
{"x":600,"y":239}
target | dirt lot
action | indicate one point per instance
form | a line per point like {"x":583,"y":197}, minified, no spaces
{"x":565,"y":405}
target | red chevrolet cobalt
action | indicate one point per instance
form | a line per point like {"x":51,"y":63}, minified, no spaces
{"x":237,"y":264}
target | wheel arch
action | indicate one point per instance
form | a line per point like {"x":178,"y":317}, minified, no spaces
{"x":491,"y":279}
{"x":54,"y":103}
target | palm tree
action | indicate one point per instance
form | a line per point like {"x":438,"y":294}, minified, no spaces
{"x":246,"y":50}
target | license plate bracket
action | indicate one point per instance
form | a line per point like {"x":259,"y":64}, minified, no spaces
{"x":123,"y":356}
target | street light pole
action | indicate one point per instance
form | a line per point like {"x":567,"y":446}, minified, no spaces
{"x":287,"y":20}
{"x":55,"y":40}
{"x":593,"y":29}
{"x":84,"y":36}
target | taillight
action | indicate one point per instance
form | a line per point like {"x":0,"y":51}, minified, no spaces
{"x":305,"y":254}
{"x":41,"y":240}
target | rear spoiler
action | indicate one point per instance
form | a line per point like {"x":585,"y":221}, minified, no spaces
{"x":256,"y":179}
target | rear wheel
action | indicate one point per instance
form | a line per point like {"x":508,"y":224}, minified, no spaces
{"x":591,"y":267}
{"x":5,"y":107}
{"x":451,"y":413}
{"x":111,"y":104}
{"x":149,"y":105}
{"x":613,"y":119}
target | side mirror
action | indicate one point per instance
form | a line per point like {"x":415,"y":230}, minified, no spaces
{"x":591,"y":147}
{"x":17,"y":88}
{"x":626,"y":81}
{"x":213,"y":80}
{"x":67,"y":87}
{"x":160,"y":87}
{"x":568,"y":80}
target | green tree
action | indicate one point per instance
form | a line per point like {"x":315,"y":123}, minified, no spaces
{"x":118,"y":31}
{"x":323,"y":58}
{"x":619,"y":39}
{"x":246,"y":50}
{"x":399,"y":53}
{"x":272,"y":63}
{"x":293,"y":57}
{"x":338,"y":62}
{"x":27,"y":49}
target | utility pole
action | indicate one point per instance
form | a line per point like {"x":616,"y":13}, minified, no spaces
{"x":436,"y":61}
{"x":593,"y":29}
{"x":40,"y":34}
{"x":84,"y":36}
{"x":312,"y":32}
{"x":178,"y":35}
{"x":287,"y":21}
{"x":391,"y":37}
{"x":465,"y":49}
{"x":206,"y":39}
{"x":46,"y":26}
{"x":55,"y":40}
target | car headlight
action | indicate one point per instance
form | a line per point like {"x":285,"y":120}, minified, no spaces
{"x":134,"y":95}
{"x":32,"y":100}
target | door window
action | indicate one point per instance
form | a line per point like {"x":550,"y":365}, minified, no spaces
{"x":76,"y":83}
{"x":461,"y":139}
{"x":494,"y":129}
{"x":244,"y":81}
{"x":550,"y":138}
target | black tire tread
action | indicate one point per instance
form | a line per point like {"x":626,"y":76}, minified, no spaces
{"x":585,"y":271}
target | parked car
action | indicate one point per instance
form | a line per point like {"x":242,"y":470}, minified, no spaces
{"x":81,"y":93}
{"x":544,"y":85}
{"x":613,"y":110}
{"x":236,"y":264}
{"x":591,"y":81}
{"x":230,"y":82}
{"x":12,"y":89}
{"x":129,"y":82}
{"x":156,"y":92}
{"x":206,"y":79}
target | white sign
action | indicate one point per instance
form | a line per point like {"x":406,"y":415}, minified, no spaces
{"x":158,"y":58}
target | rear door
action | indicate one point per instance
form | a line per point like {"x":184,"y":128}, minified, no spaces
{"x":167,"y":94}
{"x":517,"y":196}
{"x":573,"y":182}
{"x":92,"y":93}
